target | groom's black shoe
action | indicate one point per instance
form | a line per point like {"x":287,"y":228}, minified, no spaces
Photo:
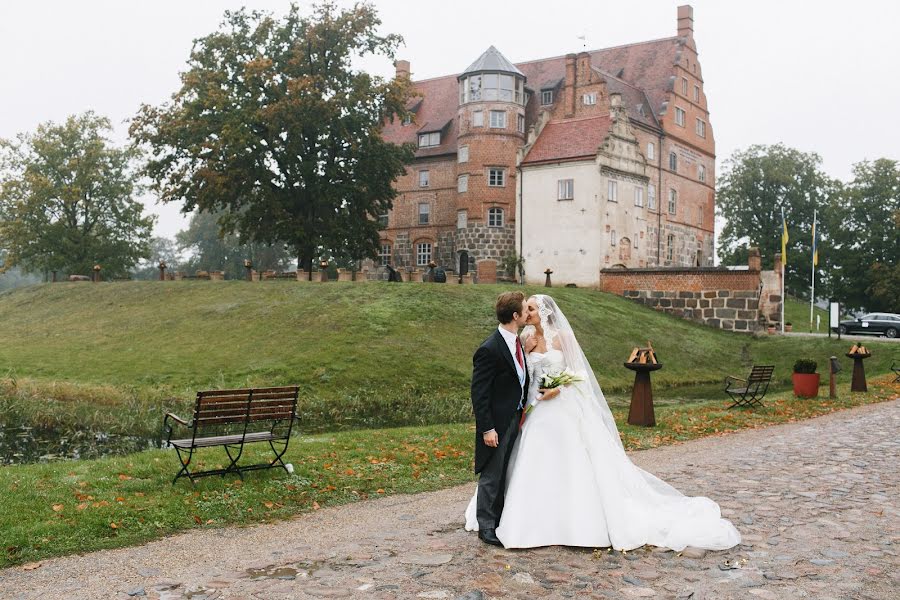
{"x":488,"y":536}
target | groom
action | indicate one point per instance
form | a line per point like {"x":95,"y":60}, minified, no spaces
{"x":499,"y":383}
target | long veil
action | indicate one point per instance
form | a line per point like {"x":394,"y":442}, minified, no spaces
{"x":559,"y":334}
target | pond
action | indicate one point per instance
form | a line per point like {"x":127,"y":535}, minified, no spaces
{"x":23,"y":443}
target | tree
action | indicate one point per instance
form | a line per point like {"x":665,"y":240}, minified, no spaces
{"x":274,"y":126}
{"x":756,"y":184}
{"x":213,"y":249}
{"x":67,"y":200}
{"x":864,"y":248}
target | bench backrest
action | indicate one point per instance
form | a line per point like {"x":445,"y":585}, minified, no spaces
{"x":761,"y":374}
{"x":244,"y":410}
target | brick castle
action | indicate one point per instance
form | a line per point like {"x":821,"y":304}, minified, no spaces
{"x":610,"y":151}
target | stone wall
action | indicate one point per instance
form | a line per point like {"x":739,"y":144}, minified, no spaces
{"x":717,"y":297}
{"x":731,"y":310}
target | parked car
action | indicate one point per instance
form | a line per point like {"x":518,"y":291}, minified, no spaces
{"x":886,"y":324}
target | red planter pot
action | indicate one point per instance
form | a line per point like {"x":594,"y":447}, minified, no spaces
{"x":806,"y":385}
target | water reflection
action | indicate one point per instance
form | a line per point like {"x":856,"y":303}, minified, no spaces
{"x":20,"y":443}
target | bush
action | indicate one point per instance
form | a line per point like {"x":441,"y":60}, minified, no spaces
{"x":805,"y":365}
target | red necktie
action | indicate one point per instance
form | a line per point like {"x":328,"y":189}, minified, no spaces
{"x":519,"y":354}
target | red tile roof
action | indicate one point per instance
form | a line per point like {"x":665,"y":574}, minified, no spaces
{"x":646,"y":72}
{"x":569,"y":139}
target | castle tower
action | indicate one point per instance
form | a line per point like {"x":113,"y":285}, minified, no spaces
{"x":491,"y":130}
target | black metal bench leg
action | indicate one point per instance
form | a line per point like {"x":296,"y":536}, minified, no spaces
{"x":232,"y":466}
{"x":184,"y":472}
{"x":277,"y":460}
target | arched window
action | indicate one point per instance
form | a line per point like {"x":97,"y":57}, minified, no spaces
{"x":495,"y":217}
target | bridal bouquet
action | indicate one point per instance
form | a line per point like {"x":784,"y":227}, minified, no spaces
{"x":555,"y":380}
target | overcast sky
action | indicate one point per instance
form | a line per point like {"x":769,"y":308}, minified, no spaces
{"x":819,"y":76}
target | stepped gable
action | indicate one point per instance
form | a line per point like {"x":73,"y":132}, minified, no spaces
{"x":569,"y":139}
{"x":646,"y":78}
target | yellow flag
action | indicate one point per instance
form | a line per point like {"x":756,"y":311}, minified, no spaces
{"x":784,"y":239}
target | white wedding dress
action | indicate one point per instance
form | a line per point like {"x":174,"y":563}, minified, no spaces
{"x":570,"y":482}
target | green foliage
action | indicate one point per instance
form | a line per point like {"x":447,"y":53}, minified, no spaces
{"x":161,"y":249}
{"x":275,"y":126}
{"x":805,"y":365}
{"x":862,"y":253}
{"x":67,"y":200}
{"x":213,"y":249}
{"x":755,"y":185}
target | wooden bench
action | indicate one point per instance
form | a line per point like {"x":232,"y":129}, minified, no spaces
{"x":749,"y":392}
{"x":896,"y":369}
{"x":232,"y":418}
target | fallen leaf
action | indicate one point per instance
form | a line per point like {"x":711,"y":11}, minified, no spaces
{"x":123,"y":477}
{"x":113,"y":526}
{"x":31,"y":566}
{"x":120,"y":499}
{"x":57,"y":507}
{"x":268,"y":504}
{"x":209,"y":521}
{"x":315,"y":505}
{"x":198,"y":520}
{"x":82,"y":506}
{"x":349,"y":472}
{"x":379,"y":491}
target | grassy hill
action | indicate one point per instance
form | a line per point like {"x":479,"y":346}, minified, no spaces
{"x":366,"y":354}
{"x":796,"y":311}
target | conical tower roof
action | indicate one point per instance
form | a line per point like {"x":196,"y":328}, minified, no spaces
{"x":494,"y":62}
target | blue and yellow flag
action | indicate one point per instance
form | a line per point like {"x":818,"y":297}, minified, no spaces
{"x":784,"y":238}
{"x":815,"y":246}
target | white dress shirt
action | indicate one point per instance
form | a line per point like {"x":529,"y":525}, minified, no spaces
{"x":510,"y":339}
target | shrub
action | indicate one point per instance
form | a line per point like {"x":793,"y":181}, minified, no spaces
{"x":805,"y":365}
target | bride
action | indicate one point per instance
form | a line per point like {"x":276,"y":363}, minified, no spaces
{"x":570,"y":482}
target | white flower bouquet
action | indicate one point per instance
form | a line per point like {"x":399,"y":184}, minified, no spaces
{"x":554,"y":380}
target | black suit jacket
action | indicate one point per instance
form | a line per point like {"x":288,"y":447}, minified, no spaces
{"x":495,"y":393}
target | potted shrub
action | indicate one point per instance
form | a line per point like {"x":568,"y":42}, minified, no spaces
{"x":770,"y":328}
{"x":788,"y":327}
{"x":805,"y":378}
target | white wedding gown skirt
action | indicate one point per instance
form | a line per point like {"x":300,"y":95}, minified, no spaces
{"x":570,"y":484}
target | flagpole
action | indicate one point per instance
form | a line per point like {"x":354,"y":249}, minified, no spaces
{"x":812,"y":293}
{"x":783,"y":265}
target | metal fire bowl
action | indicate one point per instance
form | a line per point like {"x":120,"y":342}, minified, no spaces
{"x":643,"y":367}
{"x":867,"y":355}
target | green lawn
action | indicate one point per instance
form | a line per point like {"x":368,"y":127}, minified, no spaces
{"x":78,"y":506}
{"x":117,"y":355}
{"x":796,"y":312}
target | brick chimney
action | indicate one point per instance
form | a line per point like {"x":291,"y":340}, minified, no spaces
{"x":402,"y":67}
{"x":754,"y":262}
{"x":570,"y":85}
{"x":686,"y":21}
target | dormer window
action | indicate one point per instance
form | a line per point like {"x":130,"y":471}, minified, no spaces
{"x":589,"y":99}
{"x":407,"y":120}
{"x":427,"y":140}
{"x":546,"y":97}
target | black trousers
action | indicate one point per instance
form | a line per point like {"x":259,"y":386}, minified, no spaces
{"x":492,"y":482}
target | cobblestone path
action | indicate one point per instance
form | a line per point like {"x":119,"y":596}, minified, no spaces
{"x":816,"y":502}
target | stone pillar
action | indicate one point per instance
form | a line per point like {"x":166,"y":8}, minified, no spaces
{"x":345,"y":275}
{"x":754,"y":262}
{"x":217,"y":275}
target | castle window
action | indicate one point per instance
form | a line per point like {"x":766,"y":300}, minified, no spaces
{"x":521,"y":123}
{"x":423,"y":254}
{"x":673,"y":161}
{"x":495,"y":217}
{"x":651,"y":151}
{"x":423,"y":178}
{"x":496,"y":177}
{"x":462,"y":183}
{"x":383,"y":220}
{"x":639,"y":196}
{"x":427,"y":140}
{"x":474,"y":88}
{"x":701,"y":173}
{"x":424,"y":213}
{"x":462,"y":219}
{"x":701,"y":128}
{"x":684,"y":86}
{"x":670,"y":247}
{"x":478,"y":118}
{"x":546,"y":97}
{"x":696,"y":93}
{"x":673,"y":201}
{"x":566,"y":189}
{"x":613,"y":239}
{"x":613,"y":192}
{"x":384,"y":254}
{"x":636,"y":236}
{"x":507,"y":87}
{"x":498,"y":119}
{"x":679,"y":116}
{"x":463,"y":154}
{"x":589,"y":99}
{"x":407,"y":120}
{"x":490,"y":86}
{"x":651,"y":197}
